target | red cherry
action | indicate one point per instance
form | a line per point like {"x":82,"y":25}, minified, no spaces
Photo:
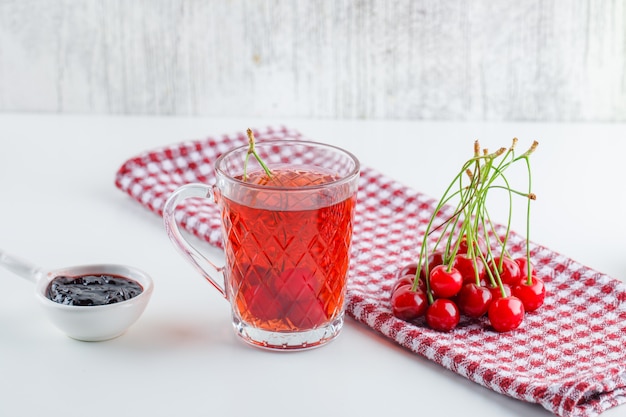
{"x":509,"y":273}
{"x":496,"y":293}
{"x":408,"y":269}
{"x":434,"y":259}
{"x":408,"y":305}
{"x":506,"y":314}
{"x":477,"y":242}
{"x":404,"y":281}
{"x":474,"y":300}
{"x":532,"y":295}
{"x":306,"y":314}
{"x":465,"y":265}
{"x":254,"y":299}
{"x":261,"y":303}
{"x":445,"y":283}
{"x":442,"y":315}
{"x":422,"y":285}
{"x":408,"y":280}
{"x":299,"y":284}
{"x":523,"y":267}
{"x":297,"y":292}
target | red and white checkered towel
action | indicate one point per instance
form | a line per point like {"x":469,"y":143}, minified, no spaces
{"x":569,"y":356}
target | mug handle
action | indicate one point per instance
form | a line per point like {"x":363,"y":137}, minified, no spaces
{"x":208,"y":269}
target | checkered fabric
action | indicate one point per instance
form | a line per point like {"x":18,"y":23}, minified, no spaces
{"x":569,"y":356}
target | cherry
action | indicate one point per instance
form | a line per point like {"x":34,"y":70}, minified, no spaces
{"x":478,"y":242}
{"x":306,"y":314}
{"x":506,"y":314}
{"x":523,"y":267}
{"x":531,"y":295}
{"x":457,"y":276}
{"x":297,"y":290}
{"x":445,"y":283}
{"x":406,"y":280}
{"x":474,"y":300}
{"x":442,"y":315}
{"x":434,"y":259}
{"x":509,"y":273}
{"x":407,"y":304}
{"x":291,"y":282}
{"x":496,"y":293}
{"x":408,"y":269}
{"x":260,"y":303}
{"x":465,"y":265}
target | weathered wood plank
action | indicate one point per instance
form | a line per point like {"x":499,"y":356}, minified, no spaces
{"x":398,"y":59}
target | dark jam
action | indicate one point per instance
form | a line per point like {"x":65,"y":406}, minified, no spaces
{"x":92,"y":290}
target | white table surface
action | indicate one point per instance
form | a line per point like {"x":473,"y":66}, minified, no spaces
{"x":59,"y":207}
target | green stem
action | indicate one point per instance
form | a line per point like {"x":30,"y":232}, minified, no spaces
{"x":470,"y":218}
{"x":529,"y":279}
{"x":520,"y":193}
{"x":265,"y":167}
{"x":423,"y":256}
{"x":252,"y":151}
{"x":245,"y":167}
{"x":494,"y":273}
{"x":508,"y":223}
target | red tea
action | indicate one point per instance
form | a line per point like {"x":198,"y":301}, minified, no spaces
{"x":287,"y":253}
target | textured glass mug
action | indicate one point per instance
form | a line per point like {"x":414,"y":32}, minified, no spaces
{"x":286,"y":240}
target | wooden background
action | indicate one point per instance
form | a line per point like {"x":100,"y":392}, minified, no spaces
{"x":556,"y":60}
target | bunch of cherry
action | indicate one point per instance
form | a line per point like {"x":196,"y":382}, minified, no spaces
{"x":465,"y":273}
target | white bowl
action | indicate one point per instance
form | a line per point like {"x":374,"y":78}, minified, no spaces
{"x":95,"y":323}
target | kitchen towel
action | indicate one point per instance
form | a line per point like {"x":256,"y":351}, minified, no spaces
{"x":568,"y":356}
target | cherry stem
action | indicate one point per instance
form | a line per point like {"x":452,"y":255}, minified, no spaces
{"x":252,"y":151}
{"x":529,"y":279}
{"x":424,"y":249}
{"x":472,"y":209}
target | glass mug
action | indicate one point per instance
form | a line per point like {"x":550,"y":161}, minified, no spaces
{"x":286,"y":240}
